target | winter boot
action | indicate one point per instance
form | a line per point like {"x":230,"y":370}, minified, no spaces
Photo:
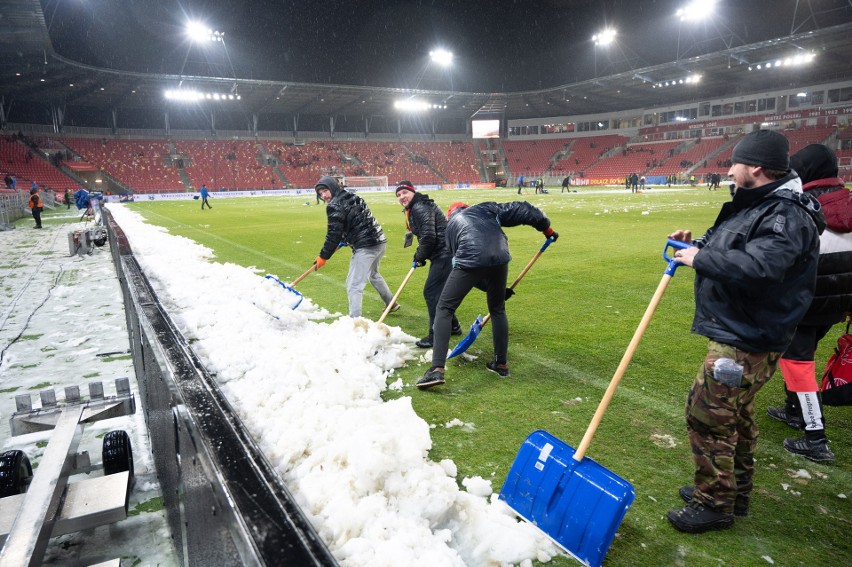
{"x":790,"y":413}
{"x":740,"y":504}
{"x":696,"y":518}
{"x":426,"y":342}
{"x":815,"y":450}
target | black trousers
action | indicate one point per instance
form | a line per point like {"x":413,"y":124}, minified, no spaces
{"x":458,"y":285}
{"x":439,"y":271}
{"x":37,"y":216}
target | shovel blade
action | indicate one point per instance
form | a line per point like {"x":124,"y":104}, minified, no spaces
{"x":465,"y":343}
{"x":578,"y":505}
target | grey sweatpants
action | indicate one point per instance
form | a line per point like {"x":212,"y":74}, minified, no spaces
{"x":364,"y":265}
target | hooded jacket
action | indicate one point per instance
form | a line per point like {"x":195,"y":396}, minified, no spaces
{"x":756,"y":271}
{"x":428,"y":223}
{"x":349,"y":221}
{"x":817,"y":167}
{"x":475,"y":237}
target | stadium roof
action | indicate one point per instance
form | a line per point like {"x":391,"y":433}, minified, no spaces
{"x":32,"y":75}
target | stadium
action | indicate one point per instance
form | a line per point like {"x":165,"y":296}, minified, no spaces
{"x":232,"y":460}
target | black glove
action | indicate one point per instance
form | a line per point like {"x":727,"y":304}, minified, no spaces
{"x":419,"y":263}
{"x":509,"y":292}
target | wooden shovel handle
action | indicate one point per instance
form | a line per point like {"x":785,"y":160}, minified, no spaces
{"x":303,"y":276}
{"x":517,"y":279}
{"x":622,"y":367}
{"x":393,"y":301}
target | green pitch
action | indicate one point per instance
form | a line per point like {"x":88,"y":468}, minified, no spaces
{"x":570,"y":323}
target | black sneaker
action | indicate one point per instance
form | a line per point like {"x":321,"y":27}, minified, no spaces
{"x":425,"y":342}
{"x":501,"y":369}
{"x":740,"y":504}
{"x":432,"y":378}
{"x":395,"y":308}
{"x":780,"y":414}
{"x":816,"y":451}
{"x":457,"y":330}
{"x":695,"y":518}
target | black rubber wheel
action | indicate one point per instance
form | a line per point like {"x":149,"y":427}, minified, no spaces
{"x":118,"y":457}
{"x":15,"y":473}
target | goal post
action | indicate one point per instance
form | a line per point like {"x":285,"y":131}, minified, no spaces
{"x":366,"y":183}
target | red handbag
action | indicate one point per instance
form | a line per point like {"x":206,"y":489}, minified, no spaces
{"x":836,"y":387}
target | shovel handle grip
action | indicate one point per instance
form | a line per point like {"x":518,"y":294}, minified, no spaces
{"x":672,"y":263}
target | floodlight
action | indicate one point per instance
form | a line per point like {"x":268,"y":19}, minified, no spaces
{"x":197,"y":31}
{"x":411,"y":105}
{"x":605,"y":37}
{"x":442,"y":57}
{"x":696,"y":10}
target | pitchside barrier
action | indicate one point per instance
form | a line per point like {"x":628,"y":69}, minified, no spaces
{"x":224,"y":502}
{"x":142,"y":197}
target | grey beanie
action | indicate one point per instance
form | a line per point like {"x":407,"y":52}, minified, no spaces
{"x":764,"y":148}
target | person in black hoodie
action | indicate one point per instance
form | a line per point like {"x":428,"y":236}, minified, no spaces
{"x":351,"y":222}
{"x":755,"y":275}
{"x":817,"y":167}
{"x":480,"y":252}
{"x":425,"y":220}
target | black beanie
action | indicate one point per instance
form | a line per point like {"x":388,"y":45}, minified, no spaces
{"x":814,"y":162}
{"x":405,"y":184}
{"x":764,"y":148}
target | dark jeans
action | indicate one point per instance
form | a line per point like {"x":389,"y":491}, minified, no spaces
{"x":458,"y":285}
{"x":439,"y":271}
{"x":37,"y":216}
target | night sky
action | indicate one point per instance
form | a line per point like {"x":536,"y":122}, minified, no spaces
{"x":499,"y":45}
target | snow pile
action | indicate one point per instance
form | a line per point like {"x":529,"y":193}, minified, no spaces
{"x":309,"y":390}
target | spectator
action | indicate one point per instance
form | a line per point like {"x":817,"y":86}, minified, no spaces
{"x":480,"y":252}
{"x":755,"y":273}
{"x":817,"y":167}
{"x":425,"y":220}
{"x":351,"y":222}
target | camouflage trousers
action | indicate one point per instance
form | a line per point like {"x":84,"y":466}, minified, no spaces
{"x":721,"y":426}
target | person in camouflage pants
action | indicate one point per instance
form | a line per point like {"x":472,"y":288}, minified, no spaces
{"x":755,"y":275}
{"x":724,"y":458}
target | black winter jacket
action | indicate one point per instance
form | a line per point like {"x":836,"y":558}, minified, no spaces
{"x":475,"y":238}
{"x":428,"y":223}
{"x":349,"y":221}
{"x":833,"y":297}
{"x":756,"y":271}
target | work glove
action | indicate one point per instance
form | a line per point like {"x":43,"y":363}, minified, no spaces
{"x":550,"y":233}
{"x":320,"y":262}
{"x":509,"y":292}
{"x":409,"y":239}
{"x":418,"y":263}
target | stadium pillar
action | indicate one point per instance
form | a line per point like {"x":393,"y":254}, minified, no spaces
{"x":367,"y":121}
{"x":254,"y":124}
{"x":3,"y":112}
{"x":295,"y":125}
{"x":114,"y":120}
{"x":331,"y":125}
{"x":57,"y":114}
{"x":213,"y":123}
{"x":166,"y":123}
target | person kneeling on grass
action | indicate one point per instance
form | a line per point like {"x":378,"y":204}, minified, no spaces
{"x":350,"y":221}
{"x":480,"y":252}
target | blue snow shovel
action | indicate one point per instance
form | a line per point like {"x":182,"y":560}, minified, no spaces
{"x":574,"y":500}
{"x":288,"y":288}
{"x":480,"y":322}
